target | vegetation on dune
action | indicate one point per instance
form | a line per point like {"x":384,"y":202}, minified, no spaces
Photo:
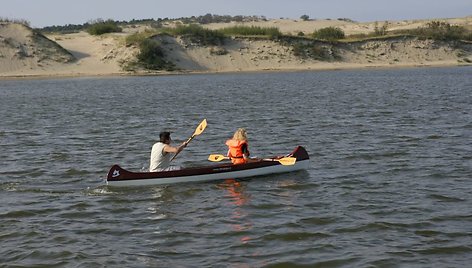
{"x":199,"y":35}
{"x":151,"y":56}
{"x":75,"y":28}
{"x":271,"y":32}
{"x":439,"y":30}
{"x":19,"y":21}
{"x":346,"y":20}
{"x":65,"y":29}
{"x":99,"y":27}
{"x":329,"y":34}
{"x":212,"y":18}
{"x":316,"y":50}
{"x":157,"y":23}
{"x":137,"y":38}
{"x":327,"y":51}
{"x":305,"y":17}
{"x":436,"y":30}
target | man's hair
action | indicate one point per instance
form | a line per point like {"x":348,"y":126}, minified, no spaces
{"x":163,"y":136}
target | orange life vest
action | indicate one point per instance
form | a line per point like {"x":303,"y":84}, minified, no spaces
{"x":235,"y":151}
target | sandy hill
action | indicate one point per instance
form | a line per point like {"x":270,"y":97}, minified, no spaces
{"x":242,"y":54}
{"x":22,"y":48}
{"x":25,"y":52}
{"x":293,"y":27}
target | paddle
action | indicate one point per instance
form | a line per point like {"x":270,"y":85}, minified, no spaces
{"x":197,"y":132}
{"x":286,"y":161}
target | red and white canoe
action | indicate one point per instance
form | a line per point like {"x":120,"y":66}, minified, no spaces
{"x":118,"y":176}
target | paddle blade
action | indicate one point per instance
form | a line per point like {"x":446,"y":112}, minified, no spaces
{"x":287,"y":161}
{"x":216,"y":157}
{"x":200,"y":128}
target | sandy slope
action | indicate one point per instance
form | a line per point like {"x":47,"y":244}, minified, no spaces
{"x":24,"y":50}
{"x":264,"y":55}
{"x":21,"y":55}
{"x":95,"y":55}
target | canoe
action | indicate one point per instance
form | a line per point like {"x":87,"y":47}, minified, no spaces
{"x":118,"y":176}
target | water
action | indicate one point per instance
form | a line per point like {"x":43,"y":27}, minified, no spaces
{"x":389,"y":183}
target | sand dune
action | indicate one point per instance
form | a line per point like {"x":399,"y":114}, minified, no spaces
{"x":22,"y":49}
{"x":24,"y":53}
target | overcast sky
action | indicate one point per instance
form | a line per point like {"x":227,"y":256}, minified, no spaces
{"x":42,"y":13}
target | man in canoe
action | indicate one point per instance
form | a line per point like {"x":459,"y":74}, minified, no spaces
{"x":162,"y":152}
{"x":238,"y":150}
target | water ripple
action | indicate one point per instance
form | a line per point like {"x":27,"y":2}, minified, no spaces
{"x":388,"y":184}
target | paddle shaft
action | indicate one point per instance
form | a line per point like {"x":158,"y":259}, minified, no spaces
{"x":283,"y":160}
{"x":187,"y":142}
{"x":201,"y":127}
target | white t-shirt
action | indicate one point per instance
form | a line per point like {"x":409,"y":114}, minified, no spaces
{"x":160,"y":160}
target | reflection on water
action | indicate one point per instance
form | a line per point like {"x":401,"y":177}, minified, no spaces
{"x":235,"y":192}
{"x":237,"y":197}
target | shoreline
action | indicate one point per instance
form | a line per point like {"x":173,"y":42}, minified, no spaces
{"x":211,"y":72}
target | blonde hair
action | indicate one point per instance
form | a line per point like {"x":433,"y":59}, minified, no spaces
{"x":240,"y":134}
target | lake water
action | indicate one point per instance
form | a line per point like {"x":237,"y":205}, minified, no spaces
{"x":390,"y":181}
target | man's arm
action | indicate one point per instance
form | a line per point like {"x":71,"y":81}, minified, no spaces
{"x":171,"y":149}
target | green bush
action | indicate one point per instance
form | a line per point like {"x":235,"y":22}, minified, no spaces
{"x":443,"y":31}
{"x":198,"y":34}
{"x":305,"y":17}
{"x":100,"y":27}
{"x":138,"y":38}
{"x":151,"y":56}
{"x":440,"y":31}
{"x":272,"y":32}
{"x":329,"y":33}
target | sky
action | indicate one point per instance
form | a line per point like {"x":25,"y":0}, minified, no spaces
{"x":41,"y":13}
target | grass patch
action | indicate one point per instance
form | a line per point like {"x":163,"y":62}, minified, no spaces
{"x":438,"y":30}
{"x":271,"y":32}
{"x":197,"y":34}
{"x":100,"y":27}
{"x":329,"y":34}
{"x":18,"y":21}
{"x":138,"y":38}
{"x":151,"y":57}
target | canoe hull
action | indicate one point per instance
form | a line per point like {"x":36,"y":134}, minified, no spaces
{"x":118,"y":176}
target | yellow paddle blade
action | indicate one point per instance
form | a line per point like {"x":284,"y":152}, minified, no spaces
{"x":217,"y":157}
{"x":287,"y":161}
{"x":200,"y":128}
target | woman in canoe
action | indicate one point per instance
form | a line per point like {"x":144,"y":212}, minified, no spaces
{"x":162,"y":152}
{"x":238,"y":150}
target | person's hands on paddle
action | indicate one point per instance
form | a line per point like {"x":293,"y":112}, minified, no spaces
{"x":201,"y":127}
{"x":181,"y":147}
